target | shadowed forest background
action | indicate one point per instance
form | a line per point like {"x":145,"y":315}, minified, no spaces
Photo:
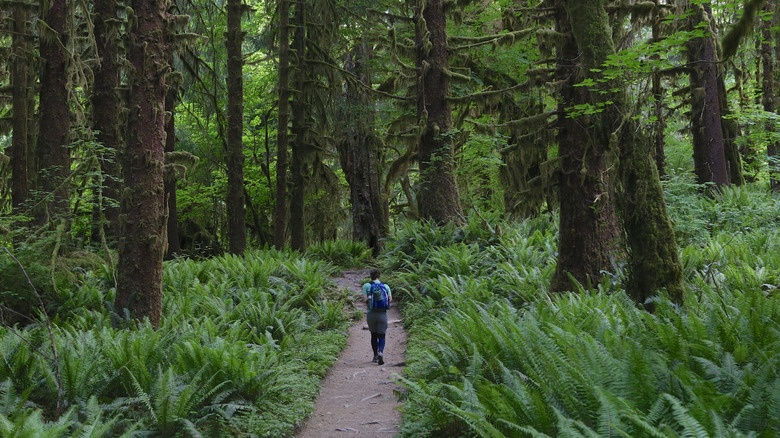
{"x":577,"y":202}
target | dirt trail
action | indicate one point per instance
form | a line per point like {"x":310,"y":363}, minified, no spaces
{"x":357,"y":398}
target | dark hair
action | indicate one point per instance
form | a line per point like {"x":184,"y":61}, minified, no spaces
{"x":375,"y":274}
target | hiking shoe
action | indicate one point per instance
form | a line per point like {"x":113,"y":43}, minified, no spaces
{"x":375,"y":358}
{"x":380,"y":360}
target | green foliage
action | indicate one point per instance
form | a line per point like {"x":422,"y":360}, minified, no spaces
{"x":341,"y":253}
{"x":17,"y":294}
{"x":492,"y":355}
{"x":479,"y":162}
{"x":735,"y":209}
{"x":332,"y":314}
{"x":239,"y":351}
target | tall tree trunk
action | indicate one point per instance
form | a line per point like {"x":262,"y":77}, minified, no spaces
{"x":708,"y":143}
{"x":299,"y":129}
{"x":654,"y":262}
{"x":143,"y":217}
{"x":589,"y":230}
{"x":236,"y":210}
{"x":20,"y":82}
{"x":106,"y":117}
{"x":653,"y":258}
{"x":659,"y":124}
{"x":282,"y":138}
{"x":54,"y":118}
{"x":768,"y":96}
{"x":729,"y":125}
{"x":358,"y":154}
{"x":438,"y":198}
{"x":169,"y":173}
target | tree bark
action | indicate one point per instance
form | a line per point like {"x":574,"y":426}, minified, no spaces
{"x":659,"y":124}
{"x":358,"y":155}
{"x":169,"y":173}
{"x":143,"y":217}
{"x":20,"y":82}
{"x":438,"y":197}
{"x":653,"y":259}
{"x":589,"y":231}
{"x":106,"y":118}
{"x":768,"y":92}
{"x":282,"y":138}
{"x":708,"y":142}
{"x":299,"y":129}
{"x":236,"y":210}
{"x":54,"y":119}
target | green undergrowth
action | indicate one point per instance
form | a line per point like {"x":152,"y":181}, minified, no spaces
{"x":240,"y":351}
{"x":492,"y":354}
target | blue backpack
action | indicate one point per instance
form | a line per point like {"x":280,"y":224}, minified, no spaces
{"x":377,"y":297}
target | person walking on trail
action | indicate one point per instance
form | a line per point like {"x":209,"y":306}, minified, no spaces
{"x":376,"y":313}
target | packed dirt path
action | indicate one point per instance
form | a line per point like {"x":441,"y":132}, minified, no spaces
{"x":358,"y":397}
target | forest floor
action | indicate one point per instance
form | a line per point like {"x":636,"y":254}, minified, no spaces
{"x":358,"y":397}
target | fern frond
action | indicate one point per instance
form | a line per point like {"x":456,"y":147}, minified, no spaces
{"x":691,"y":427}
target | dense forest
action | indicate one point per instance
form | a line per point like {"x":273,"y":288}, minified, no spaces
{"x":577,"y":200}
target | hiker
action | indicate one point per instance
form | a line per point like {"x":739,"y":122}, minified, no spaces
{"x":376,"y":316}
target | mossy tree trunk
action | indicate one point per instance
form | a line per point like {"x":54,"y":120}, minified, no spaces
{"x":438,"y":197}
{"x":358,"y":154}
{"x":769,"y":90}
{"x":54,"y":118}
{"x":20,"y":83}
{"x":106,"y":117}
{"x":169,"y":173}
{"x":653,"y":255}
{"x":282,"y":138}
{"x":299,"y":109}
{"x":709,"y":155}
{"x":589,"y":231}
{"x":659,"y":123}
{"x":142,"y":213}
{"x":236,"y":210}
{"x":654,"y":262}
{"x":729,"y":126}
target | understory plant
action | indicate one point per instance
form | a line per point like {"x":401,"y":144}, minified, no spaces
{"x":492,"y":354}
{"x":240,"y":351}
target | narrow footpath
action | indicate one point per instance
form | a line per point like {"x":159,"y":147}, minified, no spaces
{"x":358,"y":397}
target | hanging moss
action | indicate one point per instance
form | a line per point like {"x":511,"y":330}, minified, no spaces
{"x":742,"y":28}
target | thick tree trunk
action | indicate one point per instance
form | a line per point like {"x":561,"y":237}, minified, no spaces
{"x":106,"y":118}
{"x":438,"y":198}
{"x":730,"y":128}
{"x":282,"y":138}
{"x":654,"y":261}
{"x":20,"y":82}
{"x":589,"y":231}
{"x":729,"y":125}
{"x":659,"y":124}
{"x":54,"y":119}
{"x":299,"y":129}
{"x":236,"y":210}
{"x":768,"y":97}
{"x":358,"y":155}
{"x":143,"y":217}
{"x":709,"y":155}
{"x":169,"y":174}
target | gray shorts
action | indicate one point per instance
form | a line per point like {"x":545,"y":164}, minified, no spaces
{"x":377,"y":322}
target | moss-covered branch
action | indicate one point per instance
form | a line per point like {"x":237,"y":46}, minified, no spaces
{"x":485,"y":94}
{"x":742,"y":28}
